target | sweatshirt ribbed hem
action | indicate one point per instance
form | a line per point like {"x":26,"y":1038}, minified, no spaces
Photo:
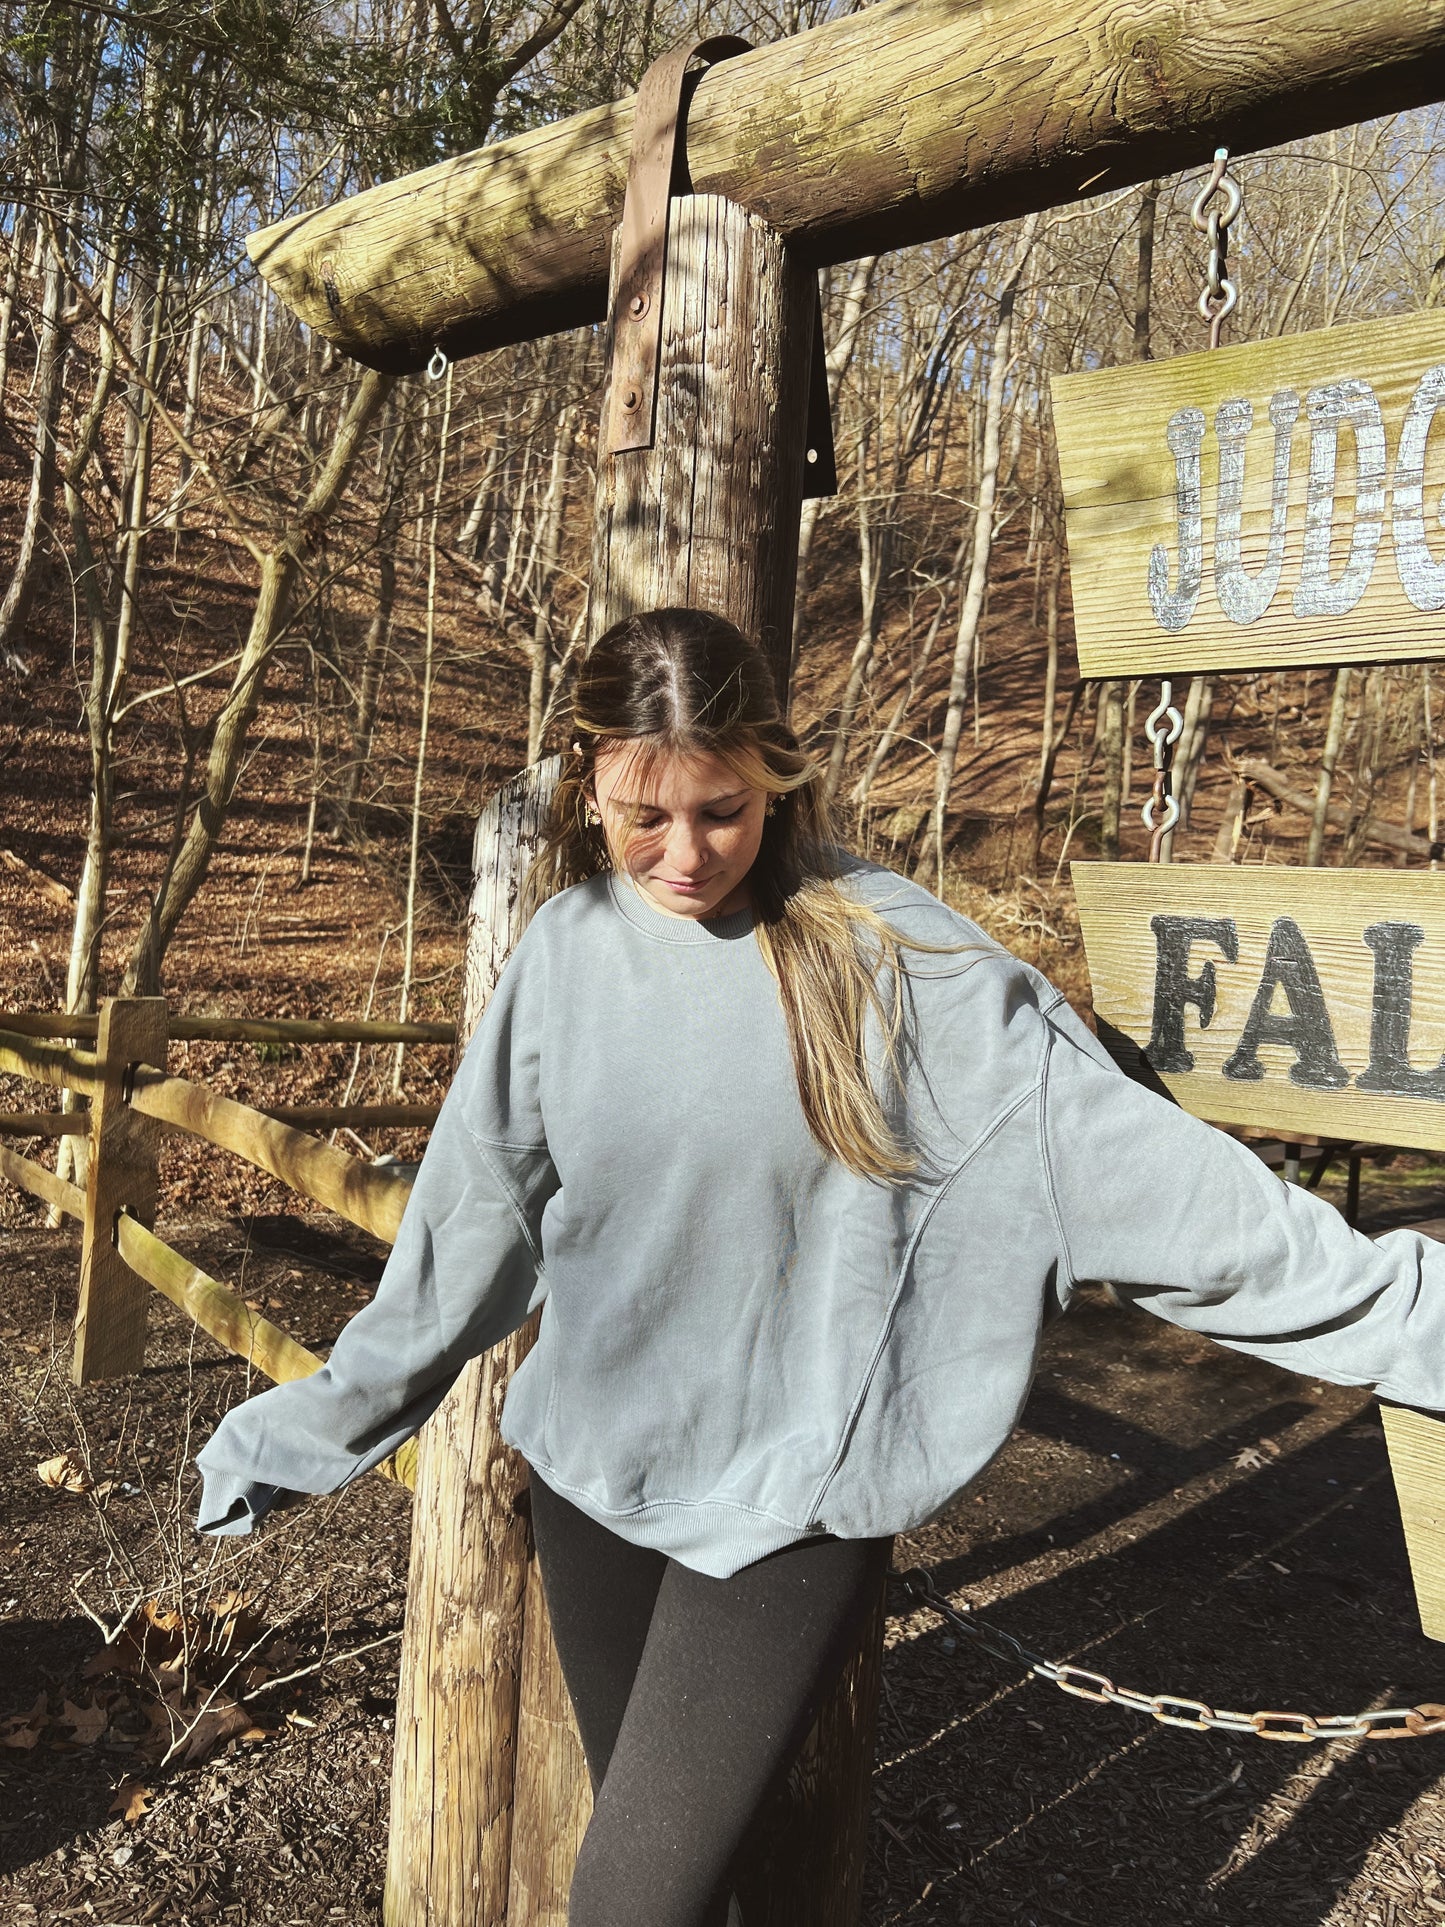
{"x":710,"y":1536}
{"x":633,"y":907}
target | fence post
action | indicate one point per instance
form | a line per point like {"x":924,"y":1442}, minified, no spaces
{"x":110,"y":1320}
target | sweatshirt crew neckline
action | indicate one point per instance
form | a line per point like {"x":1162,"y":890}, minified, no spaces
{"x":632,"y":906}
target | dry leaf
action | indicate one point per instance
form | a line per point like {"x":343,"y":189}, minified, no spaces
{"x":22,"y":1730}
{"x":64,"y":1473}
{"x":1250,"y":1458}
{"x":88,"y":1722}
{"x":131,"y":1800}
{"x":219,"y":1723}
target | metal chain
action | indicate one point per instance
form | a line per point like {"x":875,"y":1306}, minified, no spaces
{"x":1220,"y":296}
{"x":1162,"y":727}
{"x":1175,"y":1709}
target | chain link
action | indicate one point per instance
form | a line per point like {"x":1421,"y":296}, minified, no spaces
{"x":1162,"y":728}
{"x":1176,"y":1709}
{"x":1220,"y":296}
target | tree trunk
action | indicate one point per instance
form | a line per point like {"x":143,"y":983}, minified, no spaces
{"x":875,"y":550}
{"x":1334,"y":736}
{"x":18,"y":242}
{"x":850,"y":320}
{"x":378,"y":631}
{"x":1111,"y":741}
{"x":971,"y":609}
{"x":49,"y":387}
{"x":548,"y":548}
{"x":279,"y":568}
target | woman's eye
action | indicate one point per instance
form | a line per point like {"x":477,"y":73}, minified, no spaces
{"x":730,"y":817}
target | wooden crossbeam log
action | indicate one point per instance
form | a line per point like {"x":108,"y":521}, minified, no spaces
{"x":901,"y":123}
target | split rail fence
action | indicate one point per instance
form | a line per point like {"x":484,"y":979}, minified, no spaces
{"x":132,"y":1101}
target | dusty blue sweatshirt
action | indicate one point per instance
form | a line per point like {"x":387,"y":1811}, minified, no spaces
{"x":743,"y":1342}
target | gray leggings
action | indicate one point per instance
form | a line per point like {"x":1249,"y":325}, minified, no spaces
{"x":692,"y":1697}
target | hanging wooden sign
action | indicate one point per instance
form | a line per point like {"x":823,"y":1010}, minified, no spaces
{"x":1264,"y":506}
{"x":1308,"y":1001}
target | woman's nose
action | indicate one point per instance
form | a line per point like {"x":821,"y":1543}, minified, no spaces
{"x":686,"y":848}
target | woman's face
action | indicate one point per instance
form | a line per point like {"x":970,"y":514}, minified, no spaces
{"x":696,"y":835}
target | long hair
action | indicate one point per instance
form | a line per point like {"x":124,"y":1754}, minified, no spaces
{"x":683,"y":682}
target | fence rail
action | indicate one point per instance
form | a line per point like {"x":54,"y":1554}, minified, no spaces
{"x":132,"y":1101}
{"x":364,"y":1195}
{"x":41,"y":1183}
{"x":243,"y":1030}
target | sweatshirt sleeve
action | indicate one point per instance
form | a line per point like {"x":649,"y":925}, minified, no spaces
{"x":463,"y":1274}
{"x":1190,"y":1224}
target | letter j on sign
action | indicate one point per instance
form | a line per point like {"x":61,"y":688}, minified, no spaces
{"x":1260,"y":507}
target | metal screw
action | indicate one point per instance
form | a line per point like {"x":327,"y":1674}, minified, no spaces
{"x":631,"y":401}
{"x":638,"y":306}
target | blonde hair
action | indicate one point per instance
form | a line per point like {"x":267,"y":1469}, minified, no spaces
{"x":681,"y":682}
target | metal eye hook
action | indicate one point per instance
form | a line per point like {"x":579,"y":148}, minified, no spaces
{"x":1165,"y":708}
{"x":1171,"y":814}
{"x":437,"y":366}
{"x":1220,"y":180}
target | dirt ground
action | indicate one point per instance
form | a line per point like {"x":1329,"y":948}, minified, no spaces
{"x":1174,"y":1515}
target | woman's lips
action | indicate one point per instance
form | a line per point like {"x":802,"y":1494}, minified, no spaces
{"x":687,"y":889}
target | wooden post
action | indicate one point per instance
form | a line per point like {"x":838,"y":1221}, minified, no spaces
{"x":450,"y":1847}
{"x":1417,"y":1460}
{"x":709,"y":517}
{"x":490,"y":1794}
{"x":110,"y":1320}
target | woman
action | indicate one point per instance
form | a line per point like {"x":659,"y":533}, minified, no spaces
{"x":799,"y":1163}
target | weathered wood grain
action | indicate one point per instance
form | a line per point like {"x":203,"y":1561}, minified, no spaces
{"x":219,"y":1311}
{"x":366,"y":1195}
{"x":1331,"y":911}
{"x":1417,"y":1460}
{"x":897,"y":124}
{"x":44,"y":1124}
{"x":242,"y":1030}
{"x":25,"y":1056}
{"x":553,"y":1796}
{"x":708,"y":517}
{"x":121,"y":1175}
{"x":1120,"y":483}
{"x":41,"y":1183}
{"x":449,"y":1851}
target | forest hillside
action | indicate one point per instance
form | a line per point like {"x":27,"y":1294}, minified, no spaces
{"x":271,"y":628}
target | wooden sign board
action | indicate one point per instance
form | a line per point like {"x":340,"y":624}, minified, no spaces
{"x":1260,"y":507}
{"x":1308,"y":1001}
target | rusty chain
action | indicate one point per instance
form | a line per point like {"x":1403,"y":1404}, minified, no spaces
{"x":1162,"y":727}
{"x":1220,"y":296}
{"x":1175,"y":1709}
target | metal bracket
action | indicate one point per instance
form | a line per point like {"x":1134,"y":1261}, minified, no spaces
{"x":659,"y":120}
{"x":637,"y":310}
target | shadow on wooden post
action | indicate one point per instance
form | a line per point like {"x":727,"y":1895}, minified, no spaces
{"x":451,"y":1846}
{"x":110,"y":1320}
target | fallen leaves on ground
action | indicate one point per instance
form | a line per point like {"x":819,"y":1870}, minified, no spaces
{"x":131,"y":1801}
{"x":64,"y":1473}
{"x":22,"y":1730}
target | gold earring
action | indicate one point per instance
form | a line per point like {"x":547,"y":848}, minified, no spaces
{"x":772,"y":807}
{"x":594,"y":816}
